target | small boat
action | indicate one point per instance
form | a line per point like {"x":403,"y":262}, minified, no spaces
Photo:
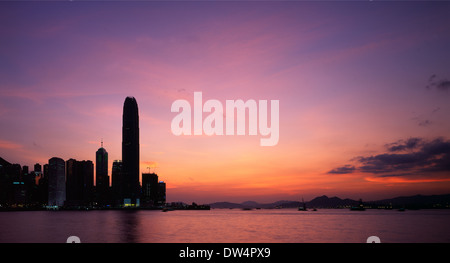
{"x":360,"y":207}
{"x":402,"y":209}
{"x":302,"y":208}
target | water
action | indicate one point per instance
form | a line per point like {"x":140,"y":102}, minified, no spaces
{"x":225,"y":225}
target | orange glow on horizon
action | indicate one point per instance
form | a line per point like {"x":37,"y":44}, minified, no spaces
{"x":399,"y":180}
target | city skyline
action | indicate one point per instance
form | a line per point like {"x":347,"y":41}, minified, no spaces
{"x":70,"y":184}
{"x":363,"y":92}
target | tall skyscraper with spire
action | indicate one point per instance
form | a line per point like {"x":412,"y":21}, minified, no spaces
{"x":101,"y":173}
{"x":130,"y":153}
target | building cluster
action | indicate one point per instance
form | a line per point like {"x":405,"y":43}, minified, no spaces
{"x":70,"y":183}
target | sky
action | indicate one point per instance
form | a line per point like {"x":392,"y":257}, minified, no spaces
{"x":363,"y":91}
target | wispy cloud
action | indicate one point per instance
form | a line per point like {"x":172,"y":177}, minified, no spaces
{"x":441,"y":84}
{"x":346,"y":169}
{"x":401,"y":145}
{"x":9,"y":145}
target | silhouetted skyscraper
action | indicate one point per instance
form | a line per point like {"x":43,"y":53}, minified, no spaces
{"x":37,"y":168}
{"x":153,"y":192}
{"x":130,"y":152}
{"x":101,"y":173}
{"x":116,"y":181}
{"x":56,"y":181}
{"x":46,"y":170}
{"x":150,"y":188}
{"x":73,"y":181}
{"x":79,"y":183}
{"x":161,"y":193}
{"x":86,"y":170}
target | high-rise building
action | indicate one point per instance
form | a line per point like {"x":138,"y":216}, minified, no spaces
{"x":5,"y":182}
{"x":149,"y":188}
{"x":79,"y":183}
{"x":116,"y":181}
{"x":161,"y":200}
{"x":37,"y":168}
{"x":101,"y":174}
{"x":56,"y":182}
{"x":153,"y":192}
{"x":86,"y":171}
{"x":25,"y":170}
{"x":130,"y":153}
{"x":73,"y":181}
{"x":37,"y":173}
{"x":46,"y":170}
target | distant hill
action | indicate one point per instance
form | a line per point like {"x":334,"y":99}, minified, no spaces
{"x":250,"y":204}
{"x":333,"y":202}
{"x":416,"y":201}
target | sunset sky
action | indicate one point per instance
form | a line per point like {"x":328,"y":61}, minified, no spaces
{"x":363,"y":90}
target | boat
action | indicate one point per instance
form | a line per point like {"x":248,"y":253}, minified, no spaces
{"x":360,"y":207}
{"x":302,"y":208}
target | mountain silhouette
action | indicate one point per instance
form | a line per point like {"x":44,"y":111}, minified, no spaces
{"x":416,"y":201}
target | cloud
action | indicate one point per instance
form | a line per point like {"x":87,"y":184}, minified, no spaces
{"x":422,"y":122}
{"x":436,"y":110}
{"x":431,"y":78}
{"x":413,"y":158}
{"x":428,"y":156}
{"x":388,"y":163}
{"x":8,"y":145}
{"x":401,"y":145}
{"x":346,"y":169}
{"x":425,"y":123}
{"x":442,"y":84}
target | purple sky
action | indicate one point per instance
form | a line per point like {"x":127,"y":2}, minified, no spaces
{"x":351,"y":78}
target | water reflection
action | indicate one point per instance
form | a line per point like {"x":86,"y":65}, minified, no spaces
{"x":223,"y":225}
{"x":129,"y":224}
